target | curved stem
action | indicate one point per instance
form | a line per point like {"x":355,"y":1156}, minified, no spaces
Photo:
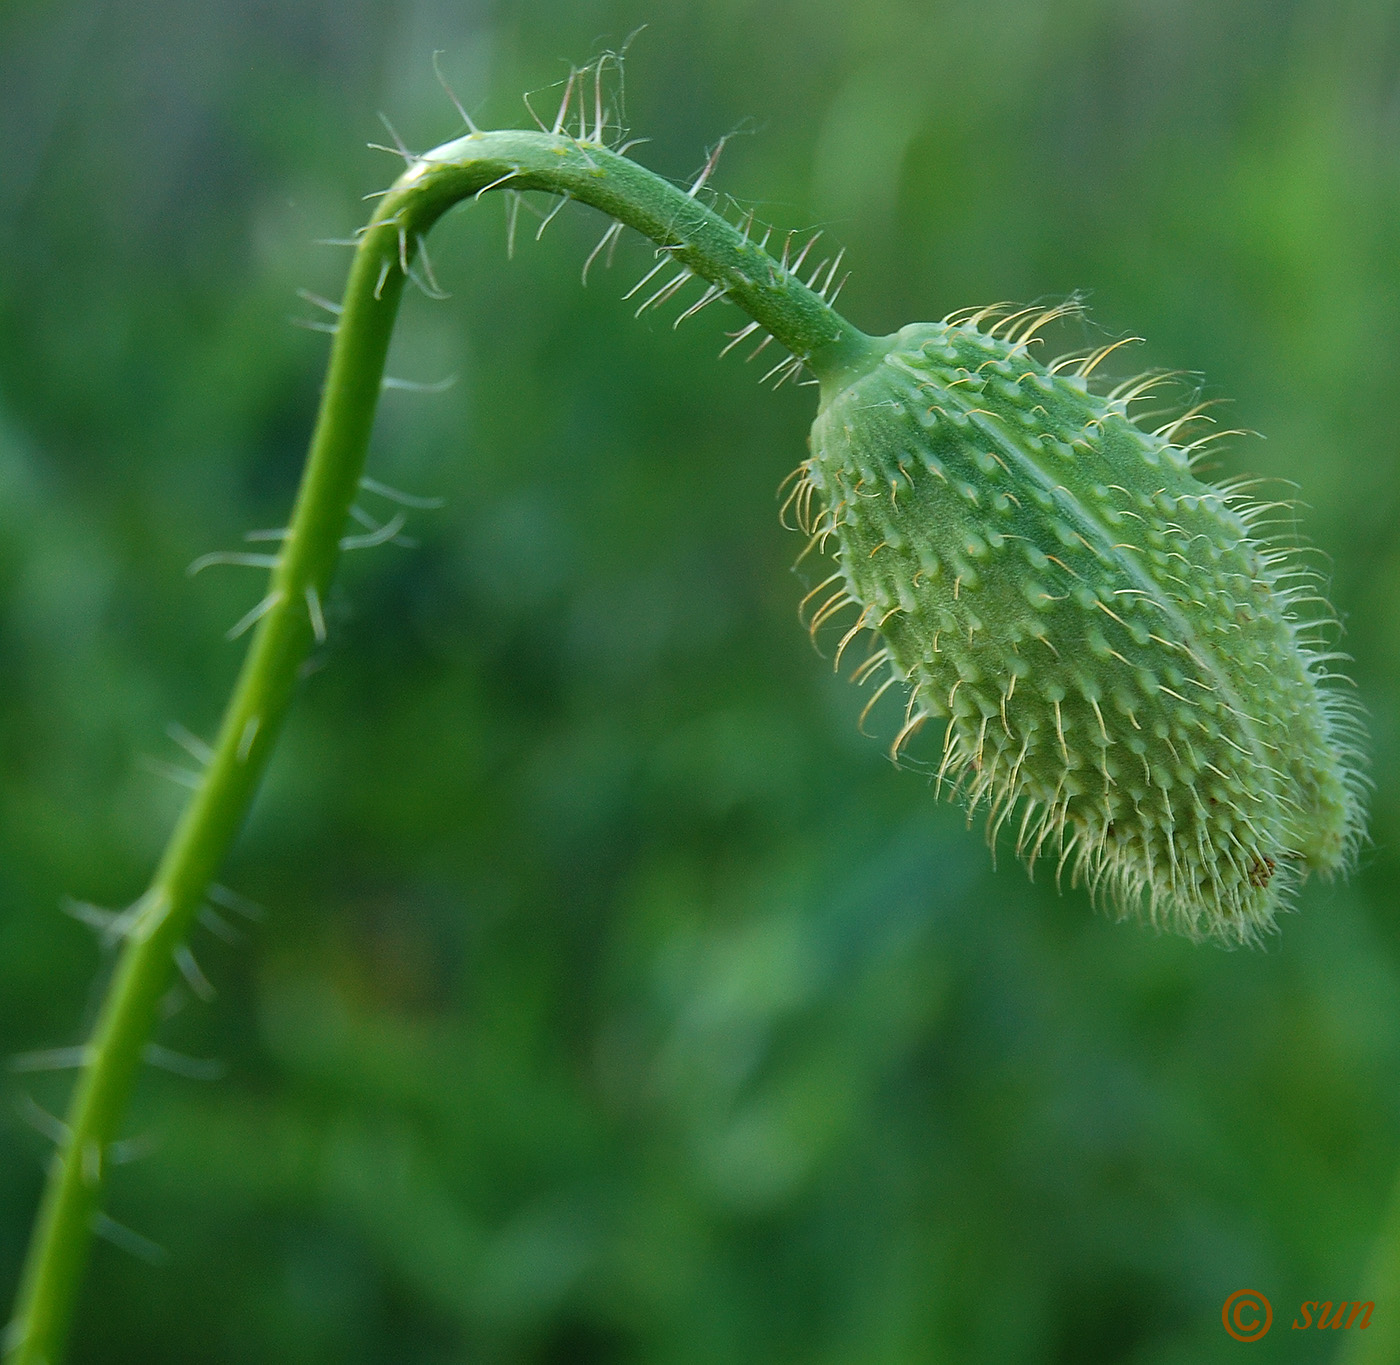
{"x":154,"y":929}
{"x":698,"y":239}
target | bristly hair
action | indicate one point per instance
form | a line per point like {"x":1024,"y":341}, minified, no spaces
{"x":1110,"y":643}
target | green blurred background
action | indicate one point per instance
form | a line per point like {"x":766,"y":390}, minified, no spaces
{"x":616,"y":1000}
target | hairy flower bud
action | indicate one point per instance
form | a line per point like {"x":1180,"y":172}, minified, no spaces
{"x":1118,"y":667}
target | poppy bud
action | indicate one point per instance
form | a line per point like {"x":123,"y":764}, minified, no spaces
{"x":1118,"y":667}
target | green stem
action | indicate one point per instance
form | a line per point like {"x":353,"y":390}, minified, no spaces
{"x":698,"y":240}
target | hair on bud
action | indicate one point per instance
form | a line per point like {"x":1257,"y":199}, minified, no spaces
{"x":1121,"y":672}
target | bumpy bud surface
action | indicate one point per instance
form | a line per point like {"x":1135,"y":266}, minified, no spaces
{"x":1114,"y":660}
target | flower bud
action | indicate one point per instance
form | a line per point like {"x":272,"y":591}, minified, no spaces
{"x":1118,"y":668}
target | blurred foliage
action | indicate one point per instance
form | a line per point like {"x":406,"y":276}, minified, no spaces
{"x":617,"y":1001}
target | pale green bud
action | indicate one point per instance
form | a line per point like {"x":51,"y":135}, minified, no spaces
{"x":1118,"y":669}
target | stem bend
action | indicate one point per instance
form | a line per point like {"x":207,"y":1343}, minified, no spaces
{"x":289,"y":617}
